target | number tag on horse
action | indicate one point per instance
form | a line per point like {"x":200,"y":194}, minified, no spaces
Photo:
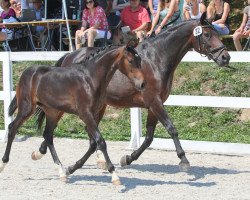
{"x":197,"y":31}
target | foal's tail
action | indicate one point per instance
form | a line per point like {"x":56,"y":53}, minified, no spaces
{"x":40,"y":117}
{"x":13,"y":106}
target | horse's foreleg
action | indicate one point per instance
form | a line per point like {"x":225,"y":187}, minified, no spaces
{"x":151,"y":123}
{"x":158,"y":109}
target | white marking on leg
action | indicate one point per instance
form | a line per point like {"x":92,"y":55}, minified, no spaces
{"x":62,"y":173}
{"x":101,"y":162}
{"x":2,"y":165}
{"x":115,"y":179}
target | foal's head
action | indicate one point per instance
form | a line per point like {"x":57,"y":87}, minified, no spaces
{"x":206,"y":41}
{"x":129,"y":63}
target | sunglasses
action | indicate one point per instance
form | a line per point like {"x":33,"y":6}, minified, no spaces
{"x":89,"y":2}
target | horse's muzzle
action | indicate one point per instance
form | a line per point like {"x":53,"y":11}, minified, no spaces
{"x":223,"y":59}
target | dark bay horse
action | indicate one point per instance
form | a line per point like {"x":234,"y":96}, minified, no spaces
{"x":160,"y":57}
{"x":79,"y":90}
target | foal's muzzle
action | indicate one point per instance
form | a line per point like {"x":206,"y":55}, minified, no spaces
{"x":140,"y":84}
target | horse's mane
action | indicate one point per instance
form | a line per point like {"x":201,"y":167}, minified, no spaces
{"x":98,"y":52}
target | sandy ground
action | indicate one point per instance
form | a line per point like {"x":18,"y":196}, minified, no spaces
{"x":155,"y":175}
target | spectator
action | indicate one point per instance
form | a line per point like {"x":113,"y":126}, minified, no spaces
{"x":153,"y":5}
{"x":244,"y":30}
{"x":16,"y":6}
{"x":136,"y":18}
{"x":94,"y":24}
{"x":119,"y":5}
{"x":192,"y":9}
{"x":6,"y":14}
{"x":218,"y":11}
{"x":39,"y":31}
{"x":112,"y":18}
{"x":167,"y":12}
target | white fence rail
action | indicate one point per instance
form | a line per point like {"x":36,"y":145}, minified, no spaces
{"x":7,"y":93}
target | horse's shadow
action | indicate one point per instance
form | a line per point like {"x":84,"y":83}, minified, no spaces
{"x":196,"y":171}
{"x":131,"y":183}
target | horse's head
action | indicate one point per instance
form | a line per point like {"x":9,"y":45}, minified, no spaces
{"x":206,"y":41}
{"x":130,"y":65}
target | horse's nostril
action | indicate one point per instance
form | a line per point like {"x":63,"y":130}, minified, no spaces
{"x":143,"y":85}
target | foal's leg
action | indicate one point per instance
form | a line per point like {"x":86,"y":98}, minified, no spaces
{"x":151,"y":124}
{"x":52,"y":118}
{"x":80,"y":163}
{"x":158,"y":109}
{"x":24,"y":112}
{"x":101,"y":145}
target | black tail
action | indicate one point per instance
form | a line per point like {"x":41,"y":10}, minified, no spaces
{"x":13,"y":106}
{"x":60,"y":61}
{"x":40,"y":117}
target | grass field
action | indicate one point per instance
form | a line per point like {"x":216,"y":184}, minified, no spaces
{"x":192,"y":123}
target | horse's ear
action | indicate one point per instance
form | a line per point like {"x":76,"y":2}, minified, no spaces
{"x":204,"y":20}
{"x":132,"y":43}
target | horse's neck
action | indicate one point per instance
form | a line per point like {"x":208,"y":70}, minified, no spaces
{"x":104,"y":68}
{"x":173,"y":48}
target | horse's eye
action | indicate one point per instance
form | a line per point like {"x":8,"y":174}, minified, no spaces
{"x":207,"y":35}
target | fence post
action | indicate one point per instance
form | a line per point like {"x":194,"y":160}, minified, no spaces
{"x":7,"y":88}
{"x":136,"y":127}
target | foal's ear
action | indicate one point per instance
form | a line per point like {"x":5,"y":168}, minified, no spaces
{"x":132,"y":43}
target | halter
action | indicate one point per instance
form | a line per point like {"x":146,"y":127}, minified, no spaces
{"x":202,"y":44}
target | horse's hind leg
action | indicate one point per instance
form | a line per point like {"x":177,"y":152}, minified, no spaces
{"x":151,"y":124}
{"x":80,"y":163}
{"x":24,"y":112}
{"x":52,"y":118}
{"x":101,"y":145}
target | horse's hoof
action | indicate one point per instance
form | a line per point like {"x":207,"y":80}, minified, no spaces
{"x":117,"y":182}
{"x":123,"y":161}
{"x":63,"y":174}
{"x":184,"y":167}
{"x":102,"y":165}
{"x":36,"y":155}
{"x":2,"y":165}
{"x":115,"y":179}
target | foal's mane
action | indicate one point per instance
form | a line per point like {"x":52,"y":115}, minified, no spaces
{"x":97,"y":53}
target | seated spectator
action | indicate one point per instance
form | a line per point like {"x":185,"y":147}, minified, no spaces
{"x":244,"y":30}
{"x":39,"y":31}
{"x":153,"y":5}
{"x":16,"y":6}
{"x":119,"y":5}
{"x":167,"y":12}
{"x":6,"y":14}
{"x":112,"y":18}
{"x":94,"y":24}
{"x":192,"y":9}
{"x":218,"y":10}
{"x":135,"y":18}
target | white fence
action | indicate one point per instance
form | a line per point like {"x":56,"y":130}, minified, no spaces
{"x":7,"y":93}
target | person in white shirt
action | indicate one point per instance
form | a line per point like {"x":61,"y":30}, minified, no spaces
{"x":192,"y":9}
